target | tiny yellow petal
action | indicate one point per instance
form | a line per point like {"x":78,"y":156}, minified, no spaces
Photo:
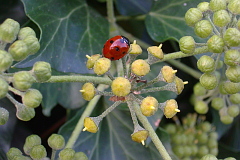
{"x":134,"y":42}
{"x":160,"y":46}
{"x":143,"y":143}
{"x":152,"y":107}
{"x":88,"y":57}
{"x":177,"y":110}
{"x":82,"y":90}
{"x":174,"y":71}
{"x":186,"y":82}
{"x":85,"y":128}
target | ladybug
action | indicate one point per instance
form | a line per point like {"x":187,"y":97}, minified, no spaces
{"x":116,"y":47}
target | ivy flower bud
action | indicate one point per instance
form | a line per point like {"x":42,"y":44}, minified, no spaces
{"x":233,"y":73}
{"x":135,"y":48}
{"x":139,"y":135}
{"x":155,"y":54}
{"x":217,"y":103}
{"x":206,"y":64}
{"x":235,"y":98}
{"x":179,"y":84}
{"x":221,"y":18}
{"x":24,"y":113}
{"x":232,"y":37}
{"x":231,"y":87}
{"x":201,"y":107}
{"x":216,"y":5}
{"x":88,"y":91}
{"x":12,"y":152}
{"x":32,"y":98}
{"x":203,"y":29}
{"x":171,"y":108}
{"x":38,"y":152}
{"x":91,"y":124}
{"x":4,"y":115}
{"x":3,"y":88}
{"x":22,"y":80}
{"x":80,"y":156}
{"x":234,"y":6}
{"x":222,"y":89}
{"x":199,"y":90}
{"x":192,"y":16}
{"x":215,"y":44}
{"x":18,"y":50}
{"x":140,"y":67}
{"x":203,"y":6}
{"x":224,"y":117}
{"x":5,"y":60}
{"x":56,"y":141}
{"x":232,"y":57}
{"x":25,"y":32}
{"x":32,"y":44}
{"x":209,"y":157}
{"x":121,"y":87}
{"x":168,"y":74}
{"x":209,"y":81}
{"x":187,"y":44}
{"x":31,"y":141}
{"x":91,"y":60}
{"x":8,"y":30}
{"x":101,"y":66}
{"x":233,"y":110}
{"x":66,"y":154}
{"x":149,"y":106}
{"x":42,"y":71}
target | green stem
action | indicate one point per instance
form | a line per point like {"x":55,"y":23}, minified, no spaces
{"x":125,"y":18}
{"x":15,"y":91}
{"x":113,"y":29}
{"x":110,"y":109}
{"x":167,"y":87}
{"x":157,"y":142}
{"x":78,"y":129}
{"x":53,"y":154}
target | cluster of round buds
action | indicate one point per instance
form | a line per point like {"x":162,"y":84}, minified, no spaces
{"x":129,"y":87}
{"x":35,"y":150}
{"x":192,"y":139}
{"x":15,"y":45}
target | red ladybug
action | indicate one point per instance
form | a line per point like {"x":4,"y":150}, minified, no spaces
{"x":116,"y":47}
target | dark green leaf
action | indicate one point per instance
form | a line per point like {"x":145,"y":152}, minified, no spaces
{"x":166,"y":19}
{"x":133,"y":7}
{"x":70,"y":30}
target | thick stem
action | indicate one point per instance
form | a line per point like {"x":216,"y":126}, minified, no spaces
{"x":110,"y":109}
{"x":53,"y":154}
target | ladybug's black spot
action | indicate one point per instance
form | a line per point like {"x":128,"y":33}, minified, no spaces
{"x":111,"y":41}
{"x":117,"y":48}
{"x":123,"y":52}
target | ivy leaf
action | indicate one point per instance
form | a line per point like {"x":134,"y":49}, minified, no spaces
{"x":69,"y":31}
{"x":166,"y":20}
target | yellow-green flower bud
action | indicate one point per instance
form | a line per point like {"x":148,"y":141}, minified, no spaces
{"x":88,"y":91}
{"x":91,"y":124}
{"x":234,"y":6}
{"x":215,"y":44}
{"x":18,"y":50}
{"x":235,"y":98}
{"x":121,"y":86}
{"x":209,"y":157}
{"x":32,"y":43}
{"x":4,"y":115}
{"x":155,"y":53}
{"x":22,"y":80}
{"x":209,"y":81}
{"x":38,"y":152}
{"x":201,"y":107}
{"x":149,"y":106}
{"x":203,"y":29}
{"x":221,"y":88}
{"x":221,"y":18}
{"x":32,"y":98}
{"x":12,"y":152}
{"x":224,"y":117}
{"x":56,"y":141}
{"x":171,"y":108}
{"x":25,"y":113}
{"x":139,"y":135}
{"x":232,"y":57}
{"x":91,"y":60}
{"x":231,"y":87}
{"x":168,"y":74}
{"x":135,"y":48}
{"x":217,"y":103}
{"x":232,"y":37}
{"x":203,"y":6}
{"x":192,"y":16}
{"x":216,"y":5}
{"x":233,"y":73}
{"x":140,"y":67}
{"x":3,"y":88}
{"x":5,"y":60}
{"x":9,"y":30}
{"x":199,"y":90}
{"x":206,"y":64}
{"x":80,"y":156}
{"x":42,"y":71}
{"x":187,"y":44}
{"x":101,"y":66}
{"x":31,"y":141}
{"x":25,"y":32}
{"x":66,"y":154}
{"x":233,"y":110}
{"x":179,"y":84}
